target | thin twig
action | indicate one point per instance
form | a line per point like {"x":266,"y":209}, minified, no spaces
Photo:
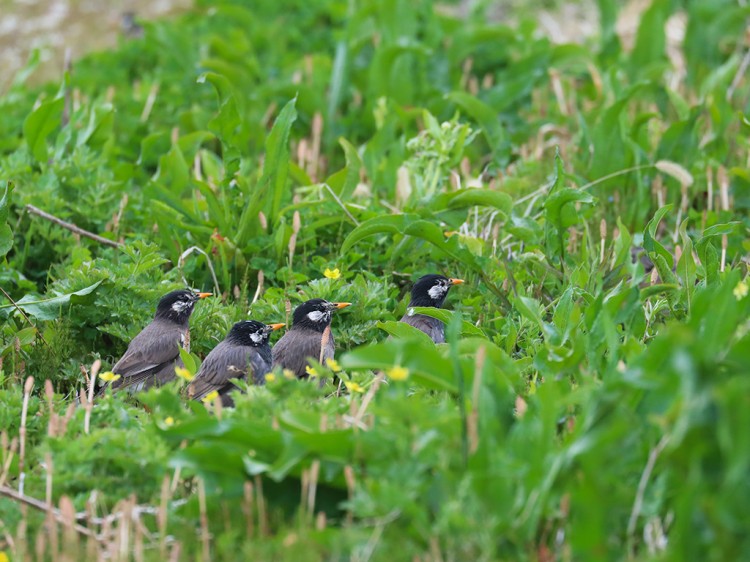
{"x":740,"y":74}
{"x":341,"y":204}
{"x":181,"y":262}
{"x":45,"y":507}
{"x":638,"y":503}
{"x":19,"y":309}
{"x":72,"y":227}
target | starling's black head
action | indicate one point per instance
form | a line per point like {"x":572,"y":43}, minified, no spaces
{"x":431,"y":290}
{"x":178,"y":305}
{"x":316,"y":313}
{"x":252,"y":333}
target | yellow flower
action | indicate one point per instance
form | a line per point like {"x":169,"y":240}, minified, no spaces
{"x":288,"y":374}
{"x":311,"y":371}
{"x":353,"y":387}
{"x":183,"y":373}
{"x":333,"y":365}
{"x":398,"y":373}
{"x":169,"y":421}
{"x":270,"y":377}
{"x":4,"y":557}
{"x":740,"y":291}
{"x":332,"y":273}
{"x":210,"y":397}
{"x":109,"y":376}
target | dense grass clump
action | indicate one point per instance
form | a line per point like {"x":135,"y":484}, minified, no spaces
{"x":593,"y":397}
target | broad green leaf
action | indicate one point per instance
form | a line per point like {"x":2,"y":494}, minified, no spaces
{"x":53,"y":307}
{"x":276,"y":162}
{"x":6,"y":234}
{"x":484,"y":115}
{"x":686,"y":266}
{"x":425,"y":363}
{"x":403,"y":330}
{"x":345,"y":181}
{"x":446,"y":316}
{"x":393,"y":224}
{"x":650,"y":243}
{"x":474,"y":197}
{"x":39,"y":124}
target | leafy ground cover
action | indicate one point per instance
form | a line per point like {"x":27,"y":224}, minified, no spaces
{"x":592,"y":399}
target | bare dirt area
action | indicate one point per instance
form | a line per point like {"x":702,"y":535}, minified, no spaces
{"x":77,"y":26}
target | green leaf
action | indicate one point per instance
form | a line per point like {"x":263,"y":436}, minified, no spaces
{"x":658,"y":289}
{"x":39,"y":124}
{"x":51,"y":308}
{"x":276,"y":163}
{"x":403,"y":330}
{"x":345,"y":181}
{"x":474,"y":197}
{"x":393,"y":224}
{"x":6,"y":234}
{"x":484,"y":115}
{"x":425,"y":363}
{"x":446,"y":316}
{"x":650,"y":243}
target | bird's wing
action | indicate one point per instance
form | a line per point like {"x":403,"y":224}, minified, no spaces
{"x":294,"y":349}
{"x":227,"y":362}
{"x":430,"y":326}
{"x":151,"y":351}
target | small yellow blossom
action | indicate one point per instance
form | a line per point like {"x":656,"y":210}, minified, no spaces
{"x":311,"y":371}
{"x":210,"y":397}
{"x":353,"y":387}
{"x":288,"y":374}
{"x":270,"y":377}
{"x":333,"y":365}
{"x":109,"y":376}
{"x":169,"y":421}
{"x":398,"y":373}
{"x":183,"y":373}
{"x":332,"y":273}
{"x":4,"y":557}
{"x":740,"y":291}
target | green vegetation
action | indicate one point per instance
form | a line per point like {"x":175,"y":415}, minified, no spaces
{"x":585,"y":407}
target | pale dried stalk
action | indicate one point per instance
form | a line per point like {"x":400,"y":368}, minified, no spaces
{"x":314,"y":475}
{"x":368,"y":397}
{"x":261,"y":501}
{"x":247,"y":508}
{"x":89,"y":405}
{"x":9,"y":451}
{"x":150,"y":100}
{"x":259,"y":290}
{"x":205,"y":537}
{"x":161,"y":517}
{"x":472,"y":421}
{"x":27,"y":387}
{"x":637,"y":504}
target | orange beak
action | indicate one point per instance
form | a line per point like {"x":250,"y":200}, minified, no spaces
{"x":341,"y":304}
{"x":204,"y":295}
{"x":277,"y":326}
{"x":456,"y":281}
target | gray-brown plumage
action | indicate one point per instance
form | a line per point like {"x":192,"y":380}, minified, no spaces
{"x":429,"y":290}
{"x":153,"y":354}
{"x":245,"y":351}
{"x":310,"y":337}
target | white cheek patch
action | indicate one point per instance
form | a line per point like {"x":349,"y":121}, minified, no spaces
{"x":436,"y":292}
{"x":316,"y":316}
{"x":179,"y":306}
{"x":256,"y":337}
